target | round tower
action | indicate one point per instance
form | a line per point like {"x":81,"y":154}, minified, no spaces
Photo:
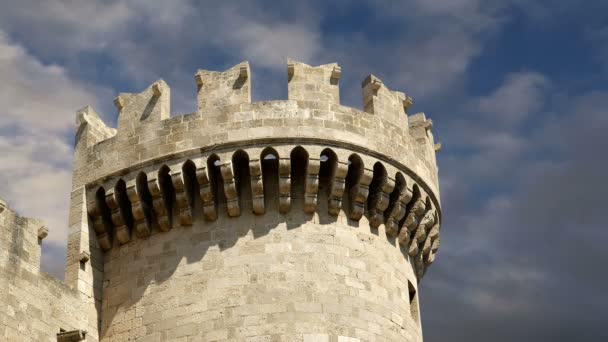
{"x":289,"y":220}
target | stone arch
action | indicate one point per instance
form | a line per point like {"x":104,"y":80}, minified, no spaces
{"x":299,"y":164}
{"x":270,"y":177}
{"x":242,"y":178}
{"x":124,"y":228}
{"x":105,"y":232}
{"x":215,"y":180}
{"x":352,"y":189}
{"x":190,"y":183}
{"x":145,"y":200}
{"x":329,"y":162}
{"x":167,"y":192}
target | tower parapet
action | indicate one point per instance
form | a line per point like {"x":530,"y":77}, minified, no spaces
{"x":293,"y":216}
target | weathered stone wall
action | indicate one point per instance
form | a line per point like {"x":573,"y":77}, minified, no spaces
{"x":272,"y":277}
{"x":278,"y":242}
{"x":33,"y":304}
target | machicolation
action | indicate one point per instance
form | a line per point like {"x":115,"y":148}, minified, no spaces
{"x":289,"y":220}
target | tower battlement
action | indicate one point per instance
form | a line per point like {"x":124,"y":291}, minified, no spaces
{"x":226,"y":115}
{"x":297,"y":219}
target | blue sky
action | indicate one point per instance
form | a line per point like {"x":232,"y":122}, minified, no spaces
{"x":517,"y":90}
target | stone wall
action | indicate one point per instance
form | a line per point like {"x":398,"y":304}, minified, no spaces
{"x":34,"y":306}
{"x":282,"y":242}
{"x":226,"y":117}
{"x":272,"y":277}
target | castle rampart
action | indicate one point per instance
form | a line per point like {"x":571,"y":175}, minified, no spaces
{"x":35,"y":305}
{"x":297,"y":219}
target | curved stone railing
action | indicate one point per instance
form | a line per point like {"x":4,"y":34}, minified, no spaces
{"x":164,"y":194}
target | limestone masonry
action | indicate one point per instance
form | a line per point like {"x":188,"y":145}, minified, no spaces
{"x":289,"y":220}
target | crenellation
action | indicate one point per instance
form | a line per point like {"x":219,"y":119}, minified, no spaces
{"x":151,"y":105}
{"x":307,"y":84}
{"x":43,"y":232}
{"x":381,"y":101}
{"x":90,"y":129}
{"x":223,"y":89}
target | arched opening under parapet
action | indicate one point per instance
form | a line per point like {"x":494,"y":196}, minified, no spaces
{"x":413,"y":301}
{"x":104,"y":211}
{"x":124,"y":205}
{"x":191,"y":184}
{"x":240,"y":165}
{"x":216,"y":183}
{"x":377,"y":184}
{"x":145,"y":198}
{"x":299,"y":165}
{"x":353,"y":176}
{"x":400,"y":185}
{"x":270,"y":178}
{"x":327,"y":170}
{"x":167,"y":192}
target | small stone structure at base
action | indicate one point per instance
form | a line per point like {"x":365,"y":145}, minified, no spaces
{"x":289,"y":220}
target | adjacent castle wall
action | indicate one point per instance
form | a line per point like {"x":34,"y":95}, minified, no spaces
{"x":34,"y":305}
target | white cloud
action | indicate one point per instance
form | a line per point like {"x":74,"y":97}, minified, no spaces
{"x":520,"y":95}
{"x":36,"y":96}
{"x":271,"y":44}
{"x":38,"y":102}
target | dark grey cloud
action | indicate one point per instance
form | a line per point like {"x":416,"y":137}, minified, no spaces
{"x":524,"y":261}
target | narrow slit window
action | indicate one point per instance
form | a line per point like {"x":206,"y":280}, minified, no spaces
{"x":415,"y":313}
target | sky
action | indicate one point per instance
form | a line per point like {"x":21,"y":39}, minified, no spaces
{"x":517,"y":91}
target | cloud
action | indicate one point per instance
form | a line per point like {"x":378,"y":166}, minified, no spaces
{"x":57,"y":27}
{"x":523,"y":230}
{"x":141,"y":41}
{"x":522,"y":173}
{"x":599,"y":37}
{"x":36,"y":122}
{"x":520,"y":95}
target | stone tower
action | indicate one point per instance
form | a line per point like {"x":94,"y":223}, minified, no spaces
{"x":290,"y":220}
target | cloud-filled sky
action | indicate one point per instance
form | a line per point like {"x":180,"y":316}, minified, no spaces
{"x":517,"y":89}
